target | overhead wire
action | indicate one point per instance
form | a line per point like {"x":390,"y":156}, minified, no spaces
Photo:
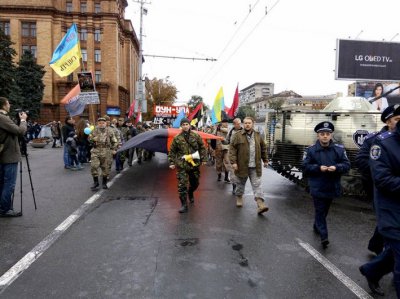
{"x":245,"y":38}
{"x":231,"y":39}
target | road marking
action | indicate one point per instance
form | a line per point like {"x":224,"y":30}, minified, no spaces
{"x":343,"y":278}
{"x":24,"y":263}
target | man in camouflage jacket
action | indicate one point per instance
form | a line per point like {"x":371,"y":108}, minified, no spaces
{"x":187,"y":171}
{"x":105,"y":145}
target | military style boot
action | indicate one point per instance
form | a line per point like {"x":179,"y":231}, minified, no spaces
{"x":184,"y":207}
{"x":227,"y":177}
{"x":95,"y":183}
{"x":105,"y":182}
{"x":239,"y":201}
{"x":219,"y":177}
{"x":233,"y":189}
{"x":191,"y":196}
{"x":261,"y":206}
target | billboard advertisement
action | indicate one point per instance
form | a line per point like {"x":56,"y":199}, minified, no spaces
{"x":367,"y":60}
{"x":365,"y":89}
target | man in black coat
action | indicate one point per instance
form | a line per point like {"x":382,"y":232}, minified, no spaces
{"x":324,"y":163}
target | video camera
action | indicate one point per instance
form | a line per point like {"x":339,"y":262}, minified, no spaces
{"x":18,"y":111}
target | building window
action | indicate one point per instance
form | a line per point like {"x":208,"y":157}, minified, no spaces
{"x":97,"y":35}
{"x":84,"y":55}
{"x":97,"y":7}
{"x":97,"y":55}
{"x":69,"y":6}
{"x":83,"y":7}
{"x":32,"y":49}
{"x":5,"y":26}
{"x":97,"y":76}
{"x":28,"y":29}
{"x":83,"y":34}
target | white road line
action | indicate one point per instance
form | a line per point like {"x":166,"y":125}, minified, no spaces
{"x":343,"y":278}
{"x":15,"y":271}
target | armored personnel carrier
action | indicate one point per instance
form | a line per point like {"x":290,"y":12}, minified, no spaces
{"x":290,"y":131}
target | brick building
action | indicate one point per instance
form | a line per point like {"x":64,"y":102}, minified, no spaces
{"x":110,"y":48}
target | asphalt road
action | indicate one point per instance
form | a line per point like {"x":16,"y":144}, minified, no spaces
{"x":130,"y":242}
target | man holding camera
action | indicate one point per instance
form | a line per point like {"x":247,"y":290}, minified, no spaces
{"x":10,"y":155}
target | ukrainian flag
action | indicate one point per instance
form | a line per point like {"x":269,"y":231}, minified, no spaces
{"x":66,"y":57}
{"x":218,"y":107}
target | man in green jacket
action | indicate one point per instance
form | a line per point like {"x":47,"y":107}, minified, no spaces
{"x":181,"y":157}
{"x":246,"y":151}
{"x":10,"y":155}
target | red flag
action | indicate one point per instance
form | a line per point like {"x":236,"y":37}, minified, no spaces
{"x":194,"y":112}
{"x":138,"y":116}
{"x":131,"y":109}
{"x":233,"y":110}
{"x":71,"y":95}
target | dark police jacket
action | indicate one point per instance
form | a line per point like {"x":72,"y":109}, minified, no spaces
{"x":362,"y":157}
{"x":325,"y":184}
{"x":385,"y":170}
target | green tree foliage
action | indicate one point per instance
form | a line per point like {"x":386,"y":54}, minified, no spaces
{"x":29,"y":81}
{"x":7,"y":67}
{"x":245,"y":111}
{"x":195,"y":100}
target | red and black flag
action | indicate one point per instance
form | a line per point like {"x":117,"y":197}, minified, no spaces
{"x":197,"y":114}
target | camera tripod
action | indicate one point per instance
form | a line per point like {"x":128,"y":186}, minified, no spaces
{"x":24,"y":152}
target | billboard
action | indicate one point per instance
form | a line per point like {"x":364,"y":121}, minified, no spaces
{"x":365,"y":88}
{"x":367,"y":60}
{"x":169,"y":111}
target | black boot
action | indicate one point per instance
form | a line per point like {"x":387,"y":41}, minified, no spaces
{"x":95,"y":183}
{"x":105,"y":182}
{"x":191,"y":197}
{"x":184,"y":207}
{"x":219,"y":177}
{"x":233,"y":189}
{"x":227,"y":177}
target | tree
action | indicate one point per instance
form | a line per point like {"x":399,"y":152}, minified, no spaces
{"x":7,"y":67}
{"x":29,"y":81}
{"x":163,"y":92}
{"x":195,"y":100}
{"x":245,"y":111}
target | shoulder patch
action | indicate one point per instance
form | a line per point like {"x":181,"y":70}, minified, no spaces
{"x":375,"y":152}
{"x":371,"y":135}
{"x":385,"y":135}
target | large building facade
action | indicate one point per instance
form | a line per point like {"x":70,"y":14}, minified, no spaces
{"x":110,"y":48}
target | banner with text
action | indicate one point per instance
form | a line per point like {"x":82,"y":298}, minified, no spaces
{"x":169,"y":111}
{"x":367,"y":60}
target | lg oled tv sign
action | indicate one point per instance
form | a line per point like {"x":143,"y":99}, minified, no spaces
{"x":367,"y":60}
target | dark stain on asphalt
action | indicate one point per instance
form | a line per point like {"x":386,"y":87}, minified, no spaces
{"x":243,"y":261}
{"x":188,"y":242}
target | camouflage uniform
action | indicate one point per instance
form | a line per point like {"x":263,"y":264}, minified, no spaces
{"x":222,"y":163}
{"x":104,"y":143}
{"x":139,"y":151}
{"x":183,"y":144}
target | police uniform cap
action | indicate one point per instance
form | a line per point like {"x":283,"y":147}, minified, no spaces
{"x":389,"y":112}
{"x":185,"y":121}
{"x":324,"y":126}
{"x":101,"y":119}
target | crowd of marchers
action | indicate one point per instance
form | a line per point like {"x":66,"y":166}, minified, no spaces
{"x":238,"y":154}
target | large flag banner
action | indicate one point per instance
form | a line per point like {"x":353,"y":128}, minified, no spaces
{"x":235,"y":104}
{"x":177,"y":122}
{"x":196,"y":115}
{"x":218,"y":107}
{"x":66,"y":57}
{"x":75,"y":107}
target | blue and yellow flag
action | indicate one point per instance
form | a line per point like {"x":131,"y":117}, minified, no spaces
{"x":66,"y":57}
{"x":218,"y":107}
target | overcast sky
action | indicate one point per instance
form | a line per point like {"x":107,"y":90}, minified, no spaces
{"x":292,"y":46}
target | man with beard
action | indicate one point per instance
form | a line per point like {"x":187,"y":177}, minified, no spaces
{"x":324,"y":163}
{"x":104,"y":147}
{"x":247,"y":150}
{"x":183,"y":146}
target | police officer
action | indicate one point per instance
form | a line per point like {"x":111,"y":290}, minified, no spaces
{"x":104,"y":147}
{"x":323,"y":164}
{"x":390,"y":118}
{"x":187,"y":172}
{"x":385,"y":165}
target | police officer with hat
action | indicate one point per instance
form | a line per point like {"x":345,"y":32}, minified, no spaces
{"x":323,"y":164}
{"x":385,"y":165}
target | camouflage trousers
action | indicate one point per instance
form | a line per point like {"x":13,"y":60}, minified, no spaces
{"x":102,"y":161}
{"x":188,"y":181}
{"x":222,"y":162}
